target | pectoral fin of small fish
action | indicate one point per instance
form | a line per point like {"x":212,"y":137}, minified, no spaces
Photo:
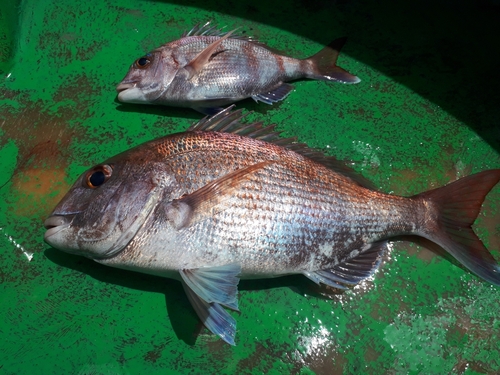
{"x":208,"y":289}
{"x":197,"y":64}
{"x":351,"y":271}
{"x":192,"y":207}
{"x":273,"y":96}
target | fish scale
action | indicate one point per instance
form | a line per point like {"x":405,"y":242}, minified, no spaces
{"x":227,"y":74}
{"x":211,"y":207}
{"x":226,"y":152}
{"x":269,"y":209}
{"x":236,"y":60}
{"x":276,"y":182}
{"x":207,"y":68}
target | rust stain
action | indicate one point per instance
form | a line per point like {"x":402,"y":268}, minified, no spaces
{"x":44,"y":141}
{"x":40,"y":185}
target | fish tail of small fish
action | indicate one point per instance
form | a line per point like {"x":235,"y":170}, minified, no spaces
{"x":454,"y":208}
{"x":324,"y":65}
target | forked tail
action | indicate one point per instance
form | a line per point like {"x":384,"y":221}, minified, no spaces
{"x":456,"y":206}
{"x":324,"y":64}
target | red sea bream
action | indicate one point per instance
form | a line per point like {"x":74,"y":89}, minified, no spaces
{"x":207,"y":69}
{"x":224,"y":201}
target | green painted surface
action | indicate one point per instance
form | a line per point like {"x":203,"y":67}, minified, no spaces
{"x":425,"y":113}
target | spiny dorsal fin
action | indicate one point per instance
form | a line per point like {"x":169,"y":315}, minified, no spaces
{"x":208,"y":30}
{"x":229,"y":121}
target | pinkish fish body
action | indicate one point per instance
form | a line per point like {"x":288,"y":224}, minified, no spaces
{"x":207,"y":69}
{"x":226,"y":200}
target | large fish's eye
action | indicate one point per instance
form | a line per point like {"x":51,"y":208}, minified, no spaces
{"x":142,"y":63}
{"x":98,"y":176}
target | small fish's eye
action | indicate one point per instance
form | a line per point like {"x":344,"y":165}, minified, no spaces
{"x":142,"y":62}
{"x":98,"y":176}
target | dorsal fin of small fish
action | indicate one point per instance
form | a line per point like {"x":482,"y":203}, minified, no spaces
{"x":208,"y":29}
{"x":229,"y":121}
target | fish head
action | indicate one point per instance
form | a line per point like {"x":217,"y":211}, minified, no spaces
{"x":106,"y":207}
{"x":148,"y":77}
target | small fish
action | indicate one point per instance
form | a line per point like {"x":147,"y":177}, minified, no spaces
{"x":207,"y":69}
{"x":226,"y":201}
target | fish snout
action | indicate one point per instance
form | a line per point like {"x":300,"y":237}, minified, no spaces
{"x":125,"y":86}
{"x":130,"y":93}
{"x":55,"y":224}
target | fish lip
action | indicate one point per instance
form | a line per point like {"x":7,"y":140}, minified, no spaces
{"x":125,"y":86}
{"x":129,"y":93}
{"x":56,"y":223}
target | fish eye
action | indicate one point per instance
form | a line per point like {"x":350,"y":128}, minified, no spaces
{"x":142,"y":63}
{"x":98,"y":176}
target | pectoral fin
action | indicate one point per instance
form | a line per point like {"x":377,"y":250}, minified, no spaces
{"x":181,"y":212}
{"x":351,"y":271}
{"x":197,"y":64}
{"x":214,"y":284}
{"x":210,"y":288}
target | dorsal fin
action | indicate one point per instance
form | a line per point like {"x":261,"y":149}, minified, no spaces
{"x":229,"y":121}
{"x":208,"y":30}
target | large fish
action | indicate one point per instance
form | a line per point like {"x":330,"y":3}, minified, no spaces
{"x":225,"y":201}
{"x":207,"y":69}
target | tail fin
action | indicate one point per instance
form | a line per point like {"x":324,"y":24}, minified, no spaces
{"x":457,"y":206}
{"x":324,"y":64}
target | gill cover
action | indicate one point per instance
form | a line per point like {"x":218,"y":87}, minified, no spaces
{"x":105,"y":208}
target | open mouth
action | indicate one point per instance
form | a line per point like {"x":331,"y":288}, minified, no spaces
{"x":125,"y":86}
{"x":55,"y":224}
{"x":129,"y":93}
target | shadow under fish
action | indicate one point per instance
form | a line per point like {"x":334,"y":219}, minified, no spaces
{"x":226,"y":201}
{"x":207,"y":69}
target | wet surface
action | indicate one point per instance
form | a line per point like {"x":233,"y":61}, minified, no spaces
{"x":418,"y":120}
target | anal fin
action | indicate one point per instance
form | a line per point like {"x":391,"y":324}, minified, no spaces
{"x":352,"y":271}
{"x":273,"y":96}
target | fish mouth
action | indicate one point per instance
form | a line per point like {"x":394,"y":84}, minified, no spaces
{"x":125,"y":86}
{"x":55,"y":224}
{"x":130,"y":93}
